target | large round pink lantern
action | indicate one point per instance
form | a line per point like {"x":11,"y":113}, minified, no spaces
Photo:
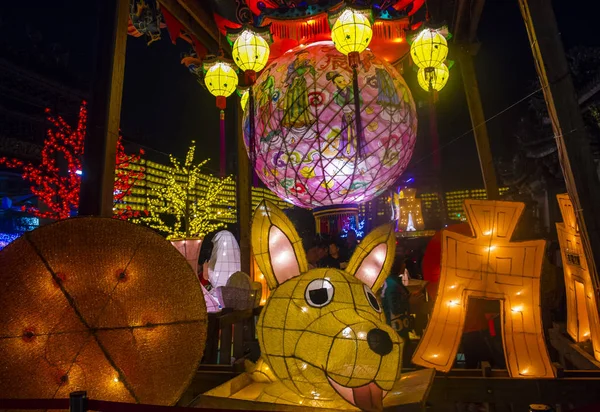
{"x":307,"y":148}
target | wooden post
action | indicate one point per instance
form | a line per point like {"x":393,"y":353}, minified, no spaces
{"x":572,"y":141}
{"x":478,"y":121}
{"x":99,"y":158}
{"x":244,"y":194}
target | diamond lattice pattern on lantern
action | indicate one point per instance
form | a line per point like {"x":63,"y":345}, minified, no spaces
{"x":582,"y":312}
{"x":489,"y":266}
{"x":306,"y":138}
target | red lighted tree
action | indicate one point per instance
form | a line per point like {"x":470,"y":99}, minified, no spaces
{"x":56,"y":180}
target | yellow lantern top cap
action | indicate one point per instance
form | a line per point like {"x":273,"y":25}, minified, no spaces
{"x":433,"y":78}
{"x":220,"y":78}
{"x":429,"y":49}
{"x":351,"y":32}
{"x":250,"y":51}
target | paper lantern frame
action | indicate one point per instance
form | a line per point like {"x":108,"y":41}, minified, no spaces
{"x":429,"y":48}
{"x":433,"y":78}
{"x":101,"y":305}
{"x":406,"y":206}
{"x":220,"y":78}
{"x":489,"y":266}
{"x":306,"y":144}
{"x":250,"y":49}
{"x":316,"y":323}
{"x":352,"y":31}
{"x":582,"y":311}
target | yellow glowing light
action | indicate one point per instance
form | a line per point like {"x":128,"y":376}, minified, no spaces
{"x":525,"y":371}
{"x":115,"y":380}
{"x":519,"y":293}
{"x":490,"y":248}
{"x":487,"y":233}
{"x":429,"y":49}
{"x":435,"y":355}
{"x":519,"y":263}
{"x":583,"y":322}
{"x":433,"y":78}
{"x":221,"y":79}
{"x":194,"y":216}
{"x":244,"y":99}
{"x":250,"y":51}
{"x":351,"y":32}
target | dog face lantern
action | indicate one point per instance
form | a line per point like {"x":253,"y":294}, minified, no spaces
{"x":322,"y":331}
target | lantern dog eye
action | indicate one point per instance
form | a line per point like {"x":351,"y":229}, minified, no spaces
{"x":319,"y":293}
{"x":372,"y":299}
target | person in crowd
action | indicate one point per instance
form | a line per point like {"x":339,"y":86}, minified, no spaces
{"x":334,"y":258}
{"x":476,"y":339}
{"x":395,"y":299}
{"x":312,"y":256}
{"x":351,"y":243}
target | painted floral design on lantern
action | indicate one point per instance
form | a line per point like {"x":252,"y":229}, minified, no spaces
{"x":305,"y":130}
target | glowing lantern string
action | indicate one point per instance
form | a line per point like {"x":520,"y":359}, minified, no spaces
{"x":250,"y":51}
{"x":351,"y":34}
{"x":221,"y":81}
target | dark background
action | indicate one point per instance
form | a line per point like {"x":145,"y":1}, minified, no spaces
{"x":164,"y":107}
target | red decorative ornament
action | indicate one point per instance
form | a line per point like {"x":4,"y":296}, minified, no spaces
{"x":56,"y":180}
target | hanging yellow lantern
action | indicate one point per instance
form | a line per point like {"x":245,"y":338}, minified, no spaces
{"x":250,"y":49}
{"x":429,"y":49}
{"x":221,"y":80}
{"x":433,"y":78}
{"x":244,"y":98}
{"x":351,"y":33}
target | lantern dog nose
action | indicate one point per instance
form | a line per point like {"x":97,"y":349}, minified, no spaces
{"x":379,"y":341}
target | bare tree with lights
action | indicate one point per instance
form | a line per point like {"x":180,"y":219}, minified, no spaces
{"x":192,"y":215}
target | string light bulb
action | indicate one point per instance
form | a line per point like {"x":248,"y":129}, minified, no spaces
{"x":194,"y":216}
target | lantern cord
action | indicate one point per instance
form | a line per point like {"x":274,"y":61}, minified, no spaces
{"x":473,"y":128}
{"x":222,"y":157}
{"x":251,"y":140}
{"x":357,"y":114}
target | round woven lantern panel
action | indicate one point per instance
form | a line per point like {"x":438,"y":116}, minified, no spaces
{"x":99,"y":305}
{"x":305,"y":130}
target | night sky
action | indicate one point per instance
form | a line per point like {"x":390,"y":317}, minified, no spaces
{"x":164,"y":107}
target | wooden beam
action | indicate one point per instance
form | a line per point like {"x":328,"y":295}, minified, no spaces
{"x":482,"y":141}
{"x":98,"y":179}
{"x":475,"y":16}
{"x":190,"y":24}
{"x":574,"y":152}
{"x":207,"y":22}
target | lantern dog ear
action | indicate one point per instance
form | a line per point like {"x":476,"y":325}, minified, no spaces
{"x":373,"y":257}
{"x":276,"y":245}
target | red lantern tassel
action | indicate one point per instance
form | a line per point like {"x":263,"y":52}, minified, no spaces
{"x":222,"y":159}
